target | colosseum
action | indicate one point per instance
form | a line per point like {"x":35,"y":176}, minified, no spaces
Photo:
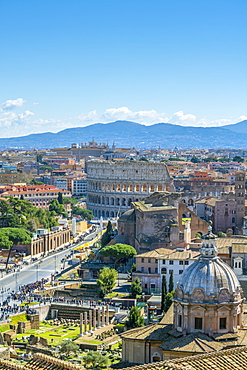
{"x":113,"y":185}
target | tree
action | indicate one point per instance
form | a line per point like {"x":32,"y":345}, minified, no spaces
{"x":60,"y":198}
{"x":171,"y":282}
{"x":118,"y":251}
{"x":85,"y":213}
{"x":136,"y":288}
{"x":132,"y":269}
{"x":72,"y":201}
{"x":20,"y":213}
{"x":95,"y":359}
{"x":35,"y":182}
{"x":195,"y":159}
{"x":135,"y":319}
{"x":163,"y":293}
{"x":238,"y":159}
{"x":106,"y":280}
{"x":68,"y":347}
{"x":58,"y":208}
{"x":107,"y":236}
{"x":14,"y":236}
{"x":168,"y":300}
{"x":221,"y":234}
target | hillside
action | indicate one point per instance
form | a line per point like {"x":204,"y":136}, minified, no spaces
{"x":132,"y":134}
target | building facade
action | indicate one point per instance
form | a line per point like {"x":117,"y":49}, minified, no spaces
{"x":113,"y":185}
{"x":38,"y":195}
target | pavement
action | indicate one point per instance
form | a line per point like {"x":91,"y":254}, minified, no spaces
{"x":37,"y":270}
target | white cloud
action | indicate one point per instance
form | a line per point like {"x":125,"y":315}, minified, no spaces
{"x":145,"y":116}
{"x":181,"y":118}
{"x":23,"y":116}
{"x":12,"y":104}
{"x":242,"y":118}
{"x":23,"y":123}
{"x":91,"y":116}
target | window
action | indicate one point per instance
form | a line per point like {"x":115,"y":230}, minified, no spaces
{"x":152,"y":286}
{"x":198,"y":323}
{"x":149,"y":270}
{"x":156,"y":270}
{"x":142,"y":260}
{"x":180,"y":272}
{"x":233,"y":220}
{"x":149,"y":260}
{"x":180,"y":321}
{"x":163,"y":270}
{"x":156,"y":261}
{"x":186,"y":262}
{"x":181,"y":262}
{"x":236,"y":265}
{"x":142,"y":269}
{"x":170,"y":262}
{"x":164,"y":262}
{"x":170,"y":271}
{"x":145,"y":286}
{"x":239,"y":265}
{"x":222,"y":322}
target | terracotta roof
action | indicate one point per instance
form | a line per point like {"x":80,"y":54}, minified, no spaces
{"x":155,"y":253}
{"x":229,"y":359}
{"x":40,"y":362}
{"x":170,"y":254}
{"x":230,"y":242}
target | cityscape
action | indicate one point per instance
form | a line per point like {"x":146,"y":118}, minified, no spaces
{"x":123,"y":185}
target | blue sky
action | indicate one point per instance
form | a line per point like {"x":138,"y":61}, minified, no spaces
{"x":72,"y":63}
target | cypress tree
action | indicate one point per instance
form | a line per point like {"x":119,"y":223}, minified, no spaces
{"x":171,"y":282}
{"x":163,"y":293}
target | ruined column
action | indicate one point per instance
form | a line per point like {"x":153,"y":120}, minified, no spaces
{"x":85,"y":322}
{"x":107,"y":314}
{"x":81,"y":324}
{"x":90,"y":321}
{"x":103,"y":315}
{"x":99,"y":323}
{"x":94,"y":319}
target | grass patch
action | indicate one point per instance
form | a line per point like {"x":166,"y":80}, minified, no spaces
{"x":92,"y":341}
{"x":117,"y":295}
{"x":21,"y":317}
{"x":28,"y":304}
{"x":4,"y":328}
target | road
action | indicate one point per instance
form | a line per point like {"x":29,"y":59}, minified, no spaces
{"x":36,"y":271}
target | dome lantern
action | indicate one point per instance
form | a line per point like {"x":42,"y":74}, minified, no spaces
{"x":209,"y":249}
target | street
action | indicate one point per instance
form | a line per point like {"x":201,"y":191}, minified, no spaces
{"x":38,"y":270}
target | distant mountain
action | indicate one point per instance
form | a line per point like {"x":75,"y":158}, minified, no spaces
{"x":131,"y":134}
{"x":240,"y":127}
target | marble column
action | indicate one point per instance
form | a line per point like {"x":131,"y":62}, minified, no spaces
{"x":107,"y":314}
{"x":94,"y":319}
{"x":85,"y":322}
{"x":103,"y":315}
{"x":81,"y":324}
{"x":99,"y":322}
{"x":90,"y":321}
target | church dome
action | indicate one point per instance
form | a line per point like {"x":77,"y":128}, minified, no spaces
{"x":209,"y":278}
{"x":208,"y":298}
{"x":211,"y":275}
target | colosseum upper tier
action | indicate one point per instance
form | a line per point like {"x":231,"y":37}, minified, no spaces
{"x":113,"y":185}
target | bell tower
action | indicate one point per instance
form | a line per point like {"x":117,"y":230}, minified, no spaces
{"x":240,"y":177}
